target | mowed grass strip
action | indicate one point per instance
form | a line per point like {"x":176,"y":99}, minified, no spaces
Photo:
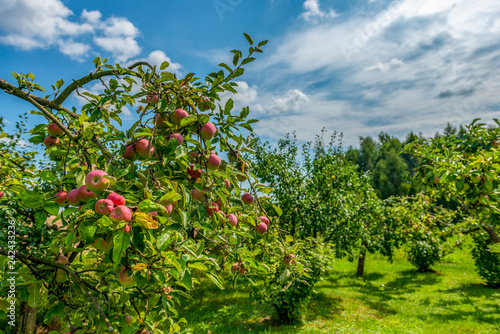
{"x":391,"y":298}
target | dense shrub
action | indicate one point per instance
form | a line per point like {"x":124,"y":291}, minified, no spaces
{"x":487,"y":262}
{"x":288,"y":297}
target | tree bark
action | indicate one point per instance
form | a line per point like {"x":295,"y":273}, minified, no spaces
{"x":492,"y":233}
{"x":27,"y":319}
{"x":361,"y":260}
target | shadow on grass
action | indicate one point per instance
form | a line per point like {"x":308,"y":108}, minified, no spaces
{"x":470,"y":294}
{"x":322,"y":306}
{"x":379,"y":297}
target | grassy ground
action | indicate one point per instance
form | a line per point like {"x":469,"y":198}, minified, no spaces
{"x":391,"y":298}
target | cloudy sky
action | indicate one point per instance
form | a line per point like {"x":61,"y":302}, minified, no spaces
{"x":358,"y":67}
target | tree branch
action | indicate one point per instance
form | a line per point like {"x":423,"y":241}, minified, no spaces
{"x":94,"y":76}
{"x":73,"y":274}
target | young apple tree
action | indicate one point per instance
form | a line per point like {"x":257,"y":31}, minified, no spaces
{"x":140,"y":213}
{"x":465,"y":168}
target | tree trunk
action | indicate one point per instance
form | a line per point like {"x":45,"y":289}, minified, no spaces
{"x":27,"y":319}
{"x":492,"y":233}
{"x":361,"y":260}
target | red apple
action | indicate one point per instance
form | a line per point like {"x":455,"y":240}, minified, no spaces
{"x":193,"y":156}
{"x":476,"y":178}
{"x":84,"y":194}
{"x":116,"y":199}
{"x":261,"y":228}
{"x":197,"y":195}
{"x":125,"y":279}
{"x":235,"y":267}
{"x":194,"y":173}
{"x":289,"y":259}
{"x":208,"y":131}
{"x":247,"y":198}
{"x":1,"y":194}
{"x":233,"y":156}
{"x":144,"y":149}
{"x":73,"y":197}
{"x":121,"y":213}
{"x":213,"y":162}
{"x":219,"y":202}
{"x":204,"y":105}
{"x":104,"y":206}
{"x":62,"y":198}
{"x":264,"y":219}
{"x":96,"y":181}
{"x":169,"y":208}
{"x":177,"y":136}
{"x":127,"y":228}
{"x":228,"y":184}
{"x":128,"y":319}
{"x":160,"y":121}
{"x":232,"y":219}
{"x":178,"y":115}
{"x":152,"y":98}
{"x":62,"y":259}
{"x":130,"y":153}
{"x":213,"y":208}
{"x":51,"y":141}
{"x":54,"y":130}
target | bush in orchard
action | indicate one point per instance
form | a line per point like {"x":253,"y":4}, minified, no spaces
{"x":146,"y":216}
{"x":426,"y":229}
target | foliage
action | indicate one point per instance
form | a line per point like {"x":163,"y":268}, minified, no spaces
{"x":426,"y":229}
{"x":130,"y":275}
{"x":487,"y":261}
{"x":465,"y":167}
{"x":392,"y":171}
{"x":322,"y":195}
{"x":391,"y":298}
{"x":289,"y":295}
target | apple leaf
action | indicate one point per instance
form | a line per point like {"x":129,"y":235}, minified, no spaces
{"x":121,"y":240}
{"x":52,"y":208}
{"x":150,"y":206}
{"x":139,"y":266}
{"x":57,"y":309}
{"x":284,"y":275}
{"x":496,"y":248}
{"x":47,"y":175}
{"x":216,"y":280}
{"x":34,"y":294}
{"x":188,"y":120}
{"x":164,"y":240}
{"x":248,"y":38}
{"x":32,"y":199}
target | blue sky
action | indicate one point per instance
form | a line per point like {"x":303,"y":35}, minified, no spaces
{"x":358,"y":67}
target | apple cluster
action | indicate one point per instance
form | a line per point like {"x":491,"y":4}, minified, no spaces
{"x":54,"y":132}
{"x":95,"y":185}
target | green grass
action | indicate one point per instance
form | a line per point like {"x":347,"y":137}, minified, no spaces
{"x":391,"y":298}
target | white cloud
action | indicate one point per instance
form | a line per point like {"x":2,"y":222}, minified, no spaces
{"x":35,"y":24}
{"x":74,"y":50}
{"x":413,"y":66}
{"x":156,"y":58}
{"x":122,"y":48}
{"x":92,"y":16}
{"x":313,"y":11}
{"x":384,"y":67}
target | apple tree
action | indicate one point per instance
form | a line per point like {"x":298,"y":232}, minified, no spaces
{"x":465,"y":168}
{"x":324,"y":196}
{"x":425,"y":228}
{"x":123,"y":221}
